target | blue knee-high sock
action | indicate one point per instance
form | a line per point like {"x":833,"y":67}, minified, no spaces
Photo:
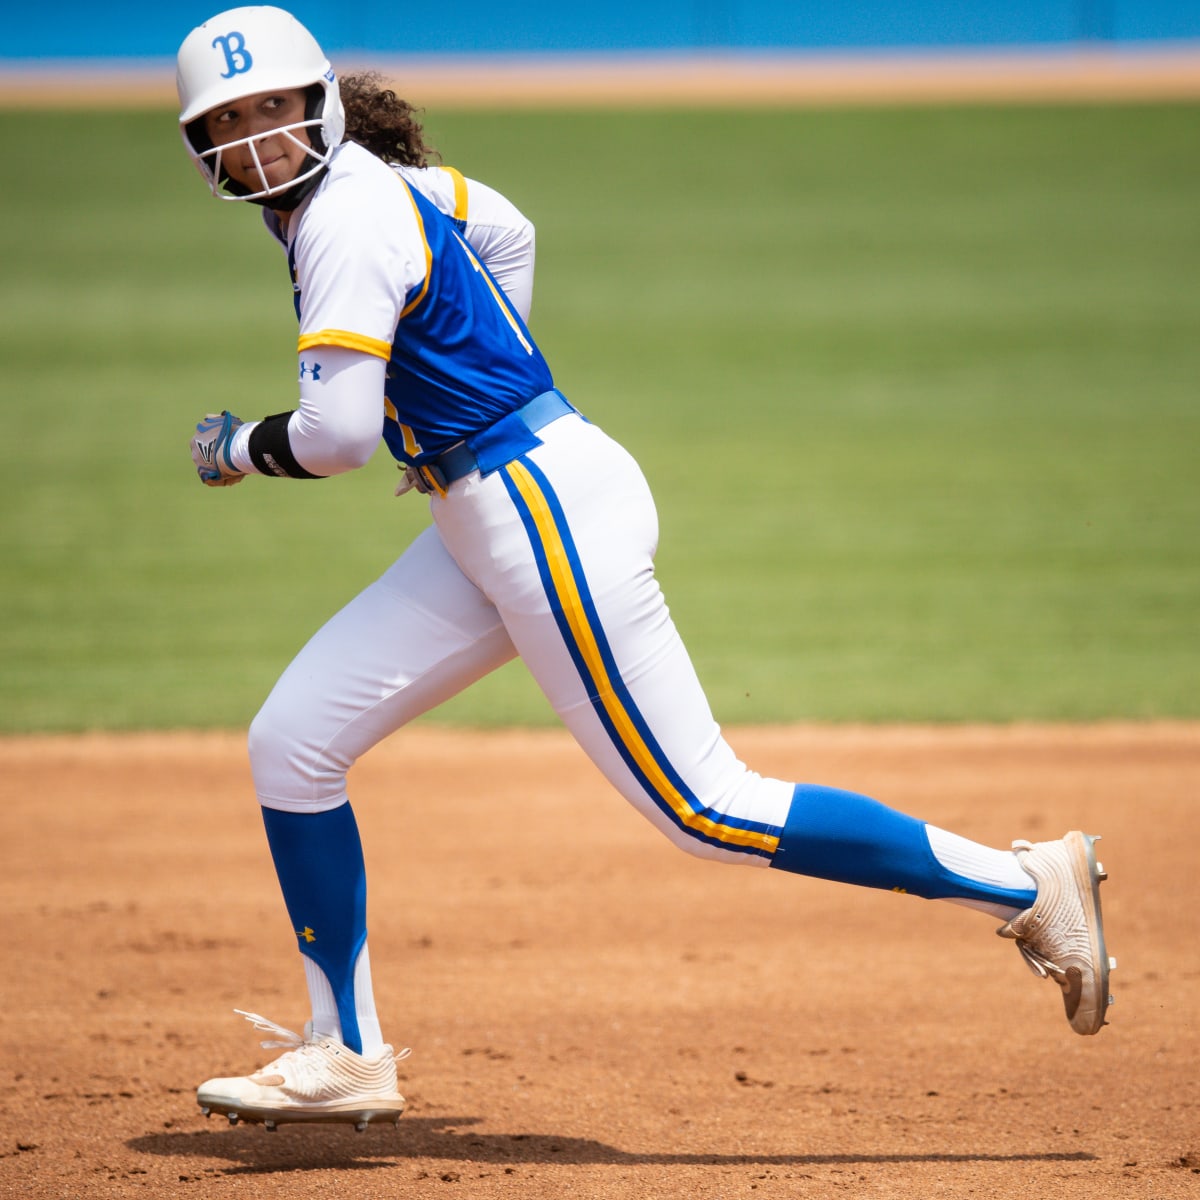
{"x":850,"y":838}
{"x":319,"y":861}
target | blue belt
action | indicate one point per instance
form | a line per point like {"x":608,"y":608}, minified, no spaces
{"x":491,"y":448}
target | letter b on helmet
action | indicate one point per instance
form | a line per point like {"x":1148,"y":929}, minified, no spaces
{"x":238,"y":59}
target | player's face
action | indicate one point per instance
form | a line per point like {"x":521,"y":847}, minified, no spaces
{"x":260,"y":118}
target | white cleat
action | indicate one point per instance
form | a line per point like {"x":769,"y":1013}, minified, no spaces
{"x":1062,"y":936}
{"x":315,"y":1079}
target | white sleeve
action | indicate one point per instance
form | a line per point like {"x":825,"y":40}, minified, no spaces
{"x":504,"y":240}
{"x":499,"y":233}
{"x":340,"y":419}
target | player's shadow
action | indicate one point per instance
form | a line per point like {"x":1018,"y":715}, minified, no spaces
{"x":451,"y":1139}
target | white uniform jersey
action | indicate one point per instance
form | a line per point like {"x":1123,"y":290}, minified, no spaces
{"x":381,"y":264}
{"x":502,"y":237}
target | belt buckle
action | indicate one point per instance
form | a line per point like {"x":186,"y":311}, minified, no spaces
{"x":428,"y":479}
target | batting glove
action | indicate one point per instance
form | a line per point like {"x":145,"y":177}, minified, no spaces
{"x":210,"y":450}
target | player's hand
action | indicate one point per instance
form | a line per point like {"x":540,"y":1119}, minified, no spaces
{"x":210,"y":450}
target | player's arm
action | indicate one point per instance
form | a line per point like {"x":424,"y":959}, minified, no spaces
{"x":499,"y":234}
{"x":504,"y":241}
{"x":336,"y":428}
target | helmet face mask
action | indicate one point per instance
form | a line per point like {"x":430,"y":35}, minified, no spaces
{"x":244,"y":52}
{"x":212,"y":167}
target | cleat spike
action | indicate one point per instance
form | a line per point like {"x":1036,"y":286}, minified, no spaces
{"x":360,"y":1126}
{"x":207,"y":1112}
{"x":270,"y":1126}
{"x":233,"y":1118}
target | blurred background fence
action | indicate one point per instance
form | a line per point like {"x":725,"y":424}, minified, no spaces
{"x":145,"y":29}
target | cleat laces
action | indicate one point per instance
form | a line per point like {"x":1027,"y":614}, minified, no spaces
{"x":291,"y":1039}
{"x":302,"y":1067}
{"x":1041,"y":966}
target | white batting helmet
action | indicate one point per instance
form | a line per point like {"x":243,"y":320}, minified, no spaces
{"x":240,"y":53}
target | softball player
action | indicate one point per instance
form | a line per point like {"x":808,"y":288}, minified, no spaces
{"x":412,"y":290}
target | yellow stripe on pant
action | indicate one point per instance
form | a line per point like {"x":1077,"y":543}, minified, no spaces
{"x":567,"y":592}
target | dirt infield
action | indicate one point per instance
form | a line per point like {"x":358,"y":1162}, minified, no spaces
{"x":591,"y":1012}
{"x":1154,"y":73}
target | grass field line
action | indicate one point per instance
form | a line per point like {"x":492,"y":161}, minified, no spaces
{"x":430,"y":736}
{"x":1154,"y":73}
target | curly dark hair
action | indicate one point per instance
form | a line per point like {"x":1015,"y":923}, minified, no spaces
{"x":381,"y":121}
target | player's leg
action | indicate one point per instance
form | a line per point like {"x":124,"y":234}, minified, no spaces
{"x":412,"y":639}
{"x":587,"y":616}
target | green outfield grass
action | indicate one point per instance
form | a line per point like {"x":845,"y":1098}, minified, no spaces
{"x":916,"y":391}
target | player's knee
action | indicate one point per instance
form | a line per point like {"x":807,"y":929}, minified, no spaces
{"x":291,"y":770}
{"x":689,"y":844}
{"x":700,"y":847}
{"x":267,"y":743}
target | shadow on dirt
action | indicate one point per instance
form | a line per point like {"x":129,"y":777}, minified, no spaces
{"x":451,"y":1139}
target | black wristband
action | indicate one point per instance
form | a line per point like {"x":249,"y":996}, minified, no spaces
{"x":271,"y":452}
